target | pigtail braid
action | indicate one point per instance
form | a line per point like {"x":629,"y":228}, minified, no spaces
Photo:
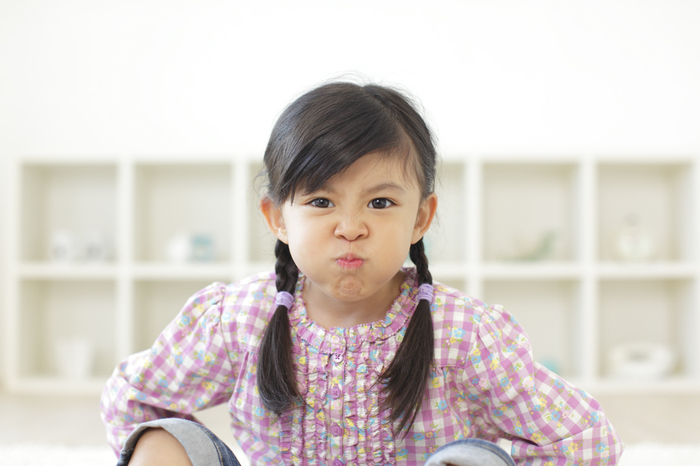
{"x":276,"y":381}
{"x":420,"y":260}
{"x":285,"y":268}
{"x":407,"y":376}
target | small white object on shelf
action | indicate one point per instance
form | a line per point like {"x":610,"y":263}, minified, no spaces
{"x":96,"y":247}
{"x":634,"y":242}
{"x":641,"y":360}
{"x":66,"y":247}
{"x":179,"y":248}
{"x":63,"y":246}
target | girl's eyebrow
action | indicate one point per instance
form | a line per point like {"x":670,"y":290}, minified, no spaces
{"x":387,"y":186}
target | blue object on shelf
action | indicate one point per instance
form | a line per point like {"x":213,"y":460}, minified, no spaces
{"x":203,"y":248}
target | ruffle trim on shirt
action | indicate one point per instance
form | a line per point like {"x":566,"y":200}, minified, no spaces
{"x":338,"y":339}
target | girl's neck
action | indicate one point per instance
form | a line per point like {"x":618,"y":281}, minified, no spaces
{"x":332,"y":313}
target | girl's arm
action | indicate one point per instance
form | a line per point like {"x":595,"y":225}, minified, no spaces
{"x":549,"y":421}
{"x":187,"y":369}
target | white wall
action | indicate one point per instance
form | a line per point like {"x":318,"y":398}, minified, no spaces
{"x":101,"y":78}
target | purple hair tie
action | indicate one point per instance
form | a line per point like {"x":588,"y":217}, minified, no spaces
{"x":284,"y":298}
{"x":425,"y":291}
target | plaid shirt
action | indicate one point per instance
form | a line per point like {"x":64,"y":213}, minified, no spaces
{"x":484,"y":384}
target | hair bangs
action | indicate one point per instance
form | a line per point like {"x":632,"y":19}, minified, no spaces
{"x":328,"y":140}
{"x":323,"y":132}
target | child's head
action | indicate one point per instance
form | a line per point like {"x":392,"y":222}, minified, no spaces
{"x":319,"y":140}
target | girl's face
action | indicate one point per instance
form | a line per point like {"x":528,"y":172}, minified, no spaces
{"x":351,"y":237}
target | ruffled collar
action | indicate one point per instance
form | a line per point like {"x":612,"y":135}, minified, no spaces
{"x":337,"y":339}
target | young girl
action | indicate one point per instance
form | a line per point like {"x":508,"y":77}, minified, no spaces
{"x":344,"y":356}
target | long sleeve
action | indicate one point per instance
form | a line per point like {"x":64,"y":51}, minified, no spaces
{"x":549,"y":421}
{"x":187,"y":369}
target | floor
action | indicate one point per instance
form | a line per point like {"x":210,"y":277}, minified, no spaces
{"x":71,"y":420}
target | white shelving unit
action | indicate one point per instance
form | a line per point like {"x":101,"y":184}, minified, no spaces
{"x":542,"y":236}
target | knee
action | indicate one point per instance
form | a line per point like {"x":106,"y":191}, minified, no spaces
{"x":157,"y":447}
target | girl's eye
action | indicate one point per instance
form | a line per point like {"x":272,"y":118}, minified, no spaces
{"x":381,"y":203}
{"x":321,"y":202}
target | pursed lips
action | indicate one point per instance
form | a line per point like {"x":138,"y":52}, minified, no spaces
{"x":349,"y":262}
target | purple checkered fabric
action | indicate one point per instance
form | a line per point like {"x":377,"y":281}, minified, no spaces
{"x":484,"y":384}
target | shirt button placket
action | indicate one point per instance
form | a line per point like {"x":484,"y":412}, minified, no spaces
{"x":336,"y":429}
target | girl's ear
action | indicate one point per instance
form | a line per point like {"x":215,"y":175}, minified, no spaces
{"x":273,"y":218}
{"x":426,"y":213}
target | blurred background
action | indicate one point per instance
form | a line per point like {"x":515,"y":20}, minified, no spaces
{"x":131,"y":133}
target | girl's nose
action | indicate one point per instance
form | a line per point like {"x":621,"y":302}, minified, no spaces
{"x":351,"y":228}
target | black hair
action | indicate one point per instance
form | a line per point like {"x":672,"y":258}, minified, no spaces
{"x":321,"y":134}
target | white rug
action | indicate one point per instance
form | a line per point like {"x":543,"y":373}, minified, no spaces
{"x":56,"y":455}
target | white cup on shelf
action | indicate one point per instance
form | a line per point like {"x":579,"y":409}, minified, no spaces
{"x":74,"y":357}
{"x":179,"y":248}
{"x":62,"y":246}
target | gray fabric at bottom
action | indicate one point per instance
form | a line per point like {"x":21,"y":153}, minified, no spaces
{"x":466,"y":454}
{"x":198,"y":445}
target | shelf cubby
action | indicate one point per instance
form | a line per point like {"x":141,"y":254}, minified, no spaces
{"x":66,"y":328}
{"x":529,"y":212}
{"x":63,"y":208}
{"x":182,"y":200}
{"x":547,"y":311}
{"x":653,"y":312}
{"x":644,"y":212}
